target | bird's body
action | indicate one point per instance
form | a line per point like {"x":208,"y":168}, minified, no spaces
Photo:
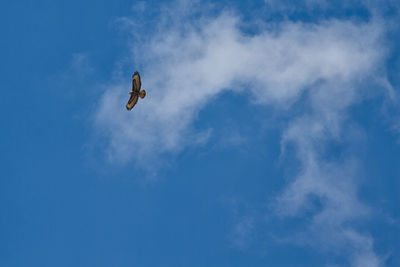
{"x":136,"y":92}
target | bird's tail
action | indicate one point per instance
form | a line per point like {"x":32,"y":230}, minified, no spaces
{"x":142,"y":93}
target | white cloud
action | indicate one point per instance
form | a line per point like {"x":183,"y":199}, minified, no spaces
{"x":189,"y":64}
{"x":182,"y":71}
{"x":286,"y":7}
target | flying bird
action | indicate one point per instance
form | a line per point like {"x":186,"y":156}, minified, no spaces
{"x":136,"y":92}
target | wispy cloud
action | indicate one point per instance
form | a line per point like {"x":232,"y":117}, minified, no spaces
{"x":187,"y":64}
{"x":183,"y":68}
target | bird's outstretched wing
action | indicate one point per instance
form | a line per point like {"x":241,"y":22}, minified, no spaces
{"x":136,"y":83}
{"x":132,"y":101}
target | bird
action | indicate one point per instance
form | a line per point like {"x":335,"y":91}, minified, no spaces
{"x":136,"y":92}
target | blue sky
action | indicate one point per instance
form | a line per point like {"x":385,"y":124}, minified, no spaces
{"x":269,"y":136}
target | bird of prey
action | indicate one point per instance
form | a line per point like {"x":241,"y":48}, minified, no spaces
{"x":136,"y":92}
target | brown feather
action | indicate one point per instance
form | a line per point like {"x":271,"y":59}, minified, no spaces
{"x":136,"y":83}
{"x":132,"y":101}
